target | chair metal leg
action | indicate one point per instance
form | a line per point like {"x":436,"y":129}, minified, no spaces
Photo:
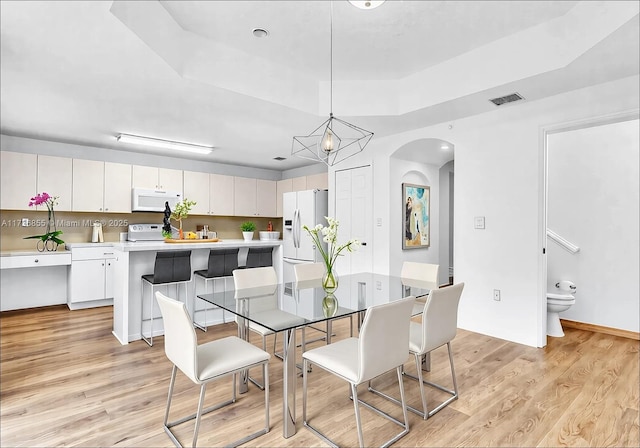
{"x":200,"y":412}
{"x":203,"y":389}
{"x":148,"y":340}
{"x":356,"y":408}
{"x":425,"y":413}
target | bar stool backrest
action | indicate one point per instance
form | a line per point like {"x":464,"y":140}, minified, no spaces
{"x":222,"y":263}
{"x":172,"y":266}
{"x":260,"y":257}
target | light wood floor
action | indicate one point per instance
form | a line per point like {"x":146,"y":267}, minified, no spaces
{"x":65,"y":380}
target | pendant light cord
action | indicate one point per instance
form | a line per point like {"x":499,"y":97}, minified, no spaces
{"x":331,"y":65}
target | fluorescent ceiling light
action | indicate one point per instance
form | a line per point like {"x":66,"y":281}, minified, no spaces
{"x":165,"y":144}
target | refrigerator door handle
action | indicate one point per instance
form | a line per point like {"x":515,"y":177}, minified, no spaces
{"x":296,"y":229}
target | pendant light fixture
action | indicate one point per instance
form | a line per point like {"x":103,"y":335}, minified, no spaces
{"x":334,"y":140}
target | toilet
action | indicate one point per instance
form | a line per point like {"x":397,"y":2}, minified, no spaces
{"x":558,"y":302}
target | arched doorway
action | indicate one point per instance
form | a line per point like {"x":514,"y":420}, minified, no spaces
{"x":429,"y":162}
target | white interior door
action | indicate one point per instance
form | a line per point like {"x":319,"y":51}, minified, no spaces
{"x":354,"y":212}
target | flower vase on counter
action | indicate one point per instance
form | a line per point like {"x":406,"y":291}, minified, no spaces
{"x":49,"y":241}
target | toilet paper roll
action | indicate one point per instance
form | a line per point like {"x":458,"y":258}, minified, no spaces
{"x":566,"y":285}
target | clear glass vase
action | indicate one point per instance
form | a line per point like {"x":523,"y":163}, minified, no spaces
{"x":48,"y":244}
{"x":330,"y":280}
{"x":329,"y":305}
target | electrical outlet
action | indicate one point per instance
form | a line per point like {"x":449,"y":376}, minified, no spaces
{"x":378,"y":285}
{"x":379,"y":222}
{"x":496,"y":295}
{"x":25,"y":222}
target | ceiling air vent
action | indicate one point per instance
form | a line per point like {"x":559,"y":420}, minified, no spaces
{"x":279,"y":159}
{"x":507,"y":99}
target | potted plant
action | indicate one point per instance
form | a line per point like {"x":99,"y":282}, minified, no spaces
{"x":180,"y":212}
{"x":248,"y":227}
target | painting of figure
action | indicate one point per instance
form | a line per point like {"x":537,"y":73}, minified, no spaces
{"x":416,"y":201}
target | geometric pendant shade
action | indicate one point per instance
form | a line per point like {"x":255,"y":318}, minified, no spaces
{"x":333,"y":141}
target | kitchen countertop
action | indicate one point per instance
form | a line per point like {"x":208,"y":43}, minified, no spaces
{"x":21,"y":253}
{"x":71,"y":246}
{"x":138,"y":246}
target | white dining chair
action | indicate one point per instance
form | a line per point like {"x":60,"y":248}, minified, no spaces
{"x":205,"y":363}
{"x":380,"y":347}
{"x":419,"y":275}
{"x":438,"y":327}
{"x":254,"y":278}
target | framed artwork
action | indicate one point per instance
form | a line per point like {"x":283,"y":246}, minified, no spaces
{"x":416,"y":222}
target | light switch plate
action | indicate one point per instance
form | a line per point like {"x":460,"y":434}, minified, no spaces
{"x":478,"y":222}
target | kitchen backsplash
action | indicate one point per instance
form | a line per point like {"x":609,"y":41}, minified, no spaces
{"x":77,"y":227}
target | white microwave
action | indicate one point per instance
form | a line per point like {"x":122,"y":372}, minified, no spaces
{"x":144,"y":200}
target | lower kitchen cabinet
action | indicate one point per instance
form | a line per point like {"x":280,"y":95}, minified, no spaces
{"x":91,"y":277}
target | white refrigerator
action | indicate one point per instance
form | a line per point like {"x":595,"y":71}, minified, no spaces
{"x":299,"y":208}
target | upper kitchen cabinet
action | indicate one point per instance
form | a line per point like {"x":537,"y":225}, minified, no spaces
{"x":196,"y":188}
{"x":54,"y":177}
{"x":221,"y":194}
{"x":282,"y":186}
{"x":265,"y":198}
{"x":318,"y":182}
{"x":154,"y":178}
{"x":254,"y":197}
{"x":101,"y":187}
{"x":117,"y":187}
{"x":88,"y":185}
{"x":17,"y":179}
{"x":299,"y":183}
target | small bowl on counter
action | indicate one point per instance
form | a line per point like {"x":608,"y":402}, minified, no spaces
{"x":269,"y":236}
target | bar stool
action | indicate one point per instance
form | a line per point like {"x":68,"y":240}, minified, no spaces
{"x":170,"y":268}
{"x":259,"y":257}
{"x":221,"y":264}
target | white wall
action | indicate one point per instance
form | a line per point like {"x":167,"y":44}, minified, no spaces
{"x":593,"y":202}
{"x":499,"y":175}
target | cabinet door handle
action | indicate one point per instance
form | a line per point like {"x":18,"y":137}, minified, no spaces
{"x":36,"y":260}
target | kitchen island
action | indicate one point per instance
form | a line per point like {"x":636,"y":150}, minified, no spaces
{"x":134,"y":259}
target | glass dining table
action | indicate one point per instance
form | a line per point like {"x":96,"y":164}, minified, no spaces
{"x":285,"y":307}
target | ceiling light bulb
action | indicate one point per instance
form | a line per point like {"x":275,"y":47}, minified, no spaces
{"x":444,"y":146}
{"x":260,"y":32}
{"x":327,"y":142}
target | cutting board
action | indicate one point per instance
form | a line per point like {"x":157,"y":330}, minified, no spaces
{"x":209,"y":240}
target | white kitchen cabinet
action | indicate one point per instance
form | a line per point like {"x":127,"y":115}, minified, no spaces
{"x":88,"y":186}
{"x":154,"y":178}
{"x":101,"y":186}
{"x":299,"y":183}
{"x":17,"y":180}
{"x":282,"y":186}
{"x":90,"y":276}
{"x":254,"y":197}
{"x":55,"y":177}
{"x":196,"y":188}
{"x":244,"y":196}
{"x":265,"y":198}
{"x":318,"y":181}
{"x":221,"y":195}
{"x":117,"y":187}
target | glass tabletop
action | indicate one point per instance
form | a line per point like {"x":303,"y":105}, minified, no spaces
{"x":291,"y":305}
